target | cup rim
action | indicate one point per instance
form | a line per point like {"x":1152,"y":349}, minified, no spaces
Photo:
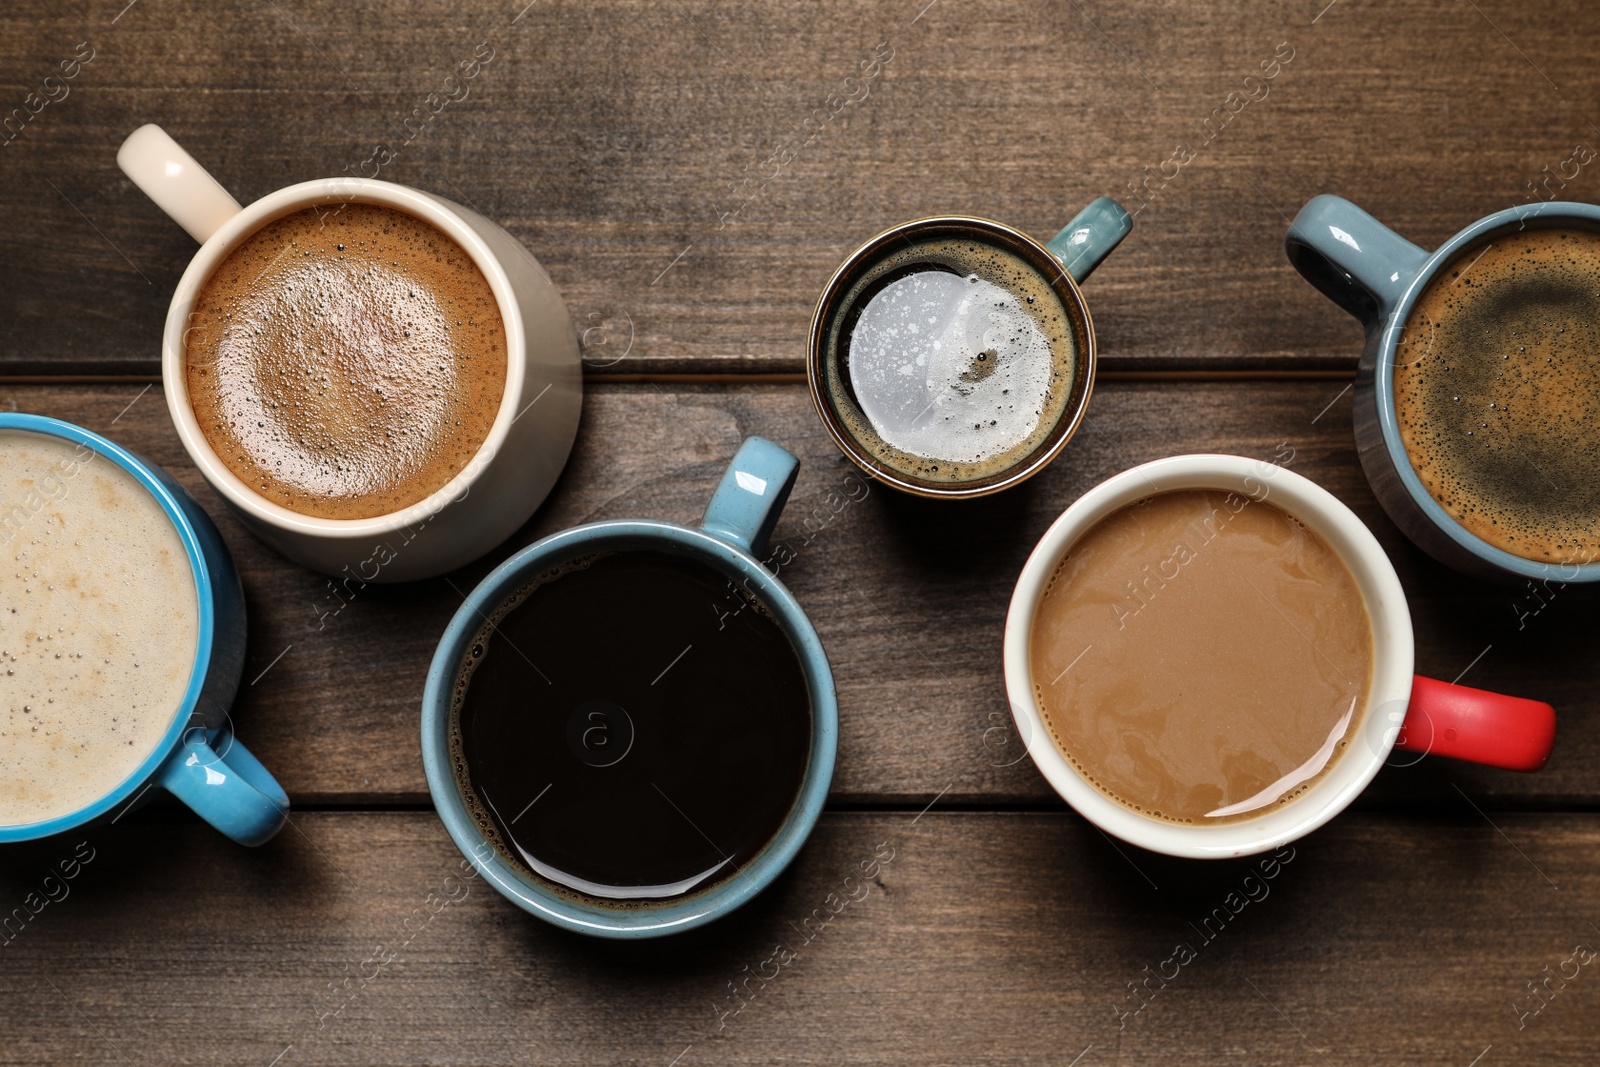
{"x":1071,"y":419}
{"x":434,"y":210}
{"x":1548,"y":215}
{"x":151,"y":479}
{"x":653,"y":920}
{"x":1392,"y":665}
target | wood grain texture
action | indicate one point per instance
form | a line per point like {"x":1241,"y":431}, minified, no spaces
{"x":656,"y":157}
{"x":631,"y":146}
{"x":909,"y":596}
{"x":983,"y":939}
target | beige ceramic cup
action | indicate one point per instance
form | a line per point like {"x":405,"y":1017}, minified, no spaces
{"x":528,"y":442}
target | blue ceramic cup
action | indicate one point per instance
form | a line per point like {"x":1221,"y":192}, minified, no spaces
{"x":197,"y":760}
{"x":731,"y":538}
{"x":1378,"y":276}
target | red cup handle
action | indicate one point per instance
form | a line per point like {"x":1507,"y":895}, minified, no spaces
{"x":1477,"y":726}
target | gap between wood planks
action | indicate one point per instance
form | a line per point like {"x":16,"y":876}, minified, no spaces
{"x":1442,"y":807}
{"x":763,"y":378}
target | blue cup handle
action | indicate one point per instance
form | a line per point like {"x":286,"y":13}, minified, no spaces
{"x":1088,"y":239}
{"x":237,"y":795}
{"x":745,"y":507}
{"x":1352,"y":258}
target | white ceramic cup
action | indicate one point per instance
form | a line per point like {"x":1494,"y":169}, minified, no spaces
{"x":528,"y":442}
{"x":1425,"y":715}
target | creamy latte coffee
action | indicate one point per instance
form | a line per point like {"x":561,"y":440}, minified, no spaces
{"x":1202,"y":657}
{"x":99,"y":625}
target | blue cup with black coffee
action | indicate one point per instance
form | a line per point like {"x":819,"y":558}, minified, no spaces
{"x":629,"y":727}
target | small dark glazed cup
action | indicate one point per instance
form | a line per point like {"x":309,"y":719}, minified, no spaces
{"x":1066,"y":260}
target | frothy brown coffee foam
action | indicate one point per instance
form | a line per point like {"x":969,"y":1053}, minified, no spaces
{"x":346,"y":362}
{"x":1201,"y":657}
{"x":1497,"y":393}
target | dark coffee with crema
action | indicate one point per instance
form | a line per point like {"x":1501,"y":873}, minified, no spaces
{"x":951,"y":360}
{"x":1201,"y":657}
{"x":630,"y":727}
{"x":1497,"y":392}
{"x":346,"y":362}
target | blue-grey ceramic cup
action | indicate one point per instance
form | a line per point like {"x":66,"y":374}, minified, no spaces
{"x":197,"y":759}
{"x":731,"y":537}
{"x":1378,"y":276}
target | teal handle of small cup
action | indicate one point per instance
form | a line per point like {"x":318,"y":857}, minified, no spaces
{"x":750,"y":496}
{"x":1089,"y":238}
{"x":237,"y":795}
{"x":1352,"y":258}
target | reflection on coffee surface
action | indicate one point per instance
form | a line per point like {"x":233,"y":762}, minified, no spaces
{"x":99,"y":624}
{"x":1201,"y":657}
{"x":954,"y":360}
{"x":630,"y":727}
{"x":346,"y":363}
{"x":1497,"y":392}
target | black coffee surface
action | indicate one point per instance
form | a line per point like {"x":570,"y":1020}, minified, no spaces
{"x":631,"y":728}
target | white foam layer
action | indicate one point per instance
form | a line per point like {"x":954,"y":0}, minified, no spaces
{"x":949,"y":367}
{"x":98,"y":626}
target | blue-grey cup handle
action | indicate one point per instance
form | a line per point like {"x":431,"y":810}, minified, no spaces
{"x":752,"y":492}
{"x":235,"y":794}
{"x":1088,"y":239}
{"x":1352,"y":258}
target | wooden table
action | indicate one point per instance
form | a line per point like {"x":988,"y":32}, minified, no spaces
{"x":630,"y":146}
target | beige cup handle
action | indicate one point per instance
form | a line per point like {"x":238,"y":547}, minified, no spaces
{"x":179,"y":186}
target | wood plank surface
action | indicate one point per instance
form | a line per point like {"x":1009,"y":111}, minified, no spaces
{"x":690,"y":174}
{"x":909,"y":596}
{"x":978,"y":939}
{"x":658,"y":158}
